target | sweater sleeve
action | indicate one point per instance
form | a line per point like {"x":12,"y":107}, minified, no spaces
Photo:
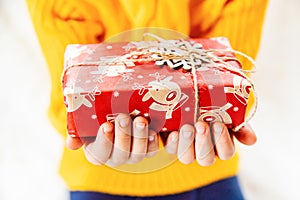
{"x":56,"y":23}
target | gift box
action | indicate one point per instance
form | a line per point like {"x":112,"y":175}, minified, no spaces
{"x":170,"y":82}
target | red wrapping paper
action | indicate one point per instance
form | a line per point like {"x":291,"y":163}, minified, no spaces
{"x":95,"y":93}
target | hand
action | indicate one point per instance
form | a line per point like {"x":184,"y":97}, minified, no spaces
{"x":205,"y":143}
{"x":125,"y":142}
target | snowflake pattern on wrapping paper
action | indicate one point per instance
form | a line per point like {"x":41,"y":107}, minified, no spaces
{"x":112,"y":70}
{"x":187,"y":109}
{"x":96,"y":79}
{"x":210,"y":87}
{"x":157,"y":76}
{"x":116,"y":94}
{"x":235,"y":109}
{"x":127,"y":77}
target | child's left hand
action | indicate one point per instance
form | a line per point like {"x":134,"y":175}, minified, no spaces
{"x":204,"y":143}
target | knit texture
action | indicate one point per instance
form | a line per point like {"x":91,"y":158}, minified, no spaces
{"x":62,"y":22}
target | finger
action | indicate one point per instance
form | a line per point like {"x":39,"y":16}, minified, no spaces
{"x":246,"y":135}
{"x":98,"y":152}
{"x":204,"y":147}
{"x":172,"y":143}
{"x":186,"y":152}
{"x":139,"y":140}
{"x":223,"y":141}
{"x":122,"y":142}
{"x":152,"y":144}
{"x":73,"y":143}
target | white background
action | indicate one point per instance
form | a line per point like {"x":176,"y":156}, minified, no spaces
{"x":30,"y":149}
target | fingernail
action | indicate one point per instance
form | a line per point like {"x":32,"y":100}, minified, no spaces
{"x":187,"y":134}
{"x":174,"y":138}
{"x":107,"y":129}
{"x":140,"y":125}
{"x":200,"y":129}
{"x":151,"y":138}
{"x":124,"y":122}
{"x":217,"y":129}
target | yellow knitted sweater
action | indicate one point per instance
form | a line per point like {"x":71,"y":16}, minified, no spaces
{"x":61,"y":22}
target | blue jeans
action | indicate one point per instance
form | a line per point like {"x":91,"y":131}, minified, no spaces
{"x":227,"y":189}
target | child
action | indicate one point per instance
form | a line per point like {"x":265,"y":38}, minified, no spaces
{"x":89,"y":171}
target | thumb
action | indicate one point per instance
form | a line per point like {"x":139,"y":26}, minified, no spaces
{"x":246,"y":135}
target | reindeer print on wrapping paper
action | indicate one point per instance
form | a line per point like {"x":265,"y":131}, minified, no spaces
{"x":167,"y":96}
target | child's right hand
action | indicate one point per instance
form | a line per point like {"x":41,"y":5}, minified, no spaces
{"x":125,"y":142}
